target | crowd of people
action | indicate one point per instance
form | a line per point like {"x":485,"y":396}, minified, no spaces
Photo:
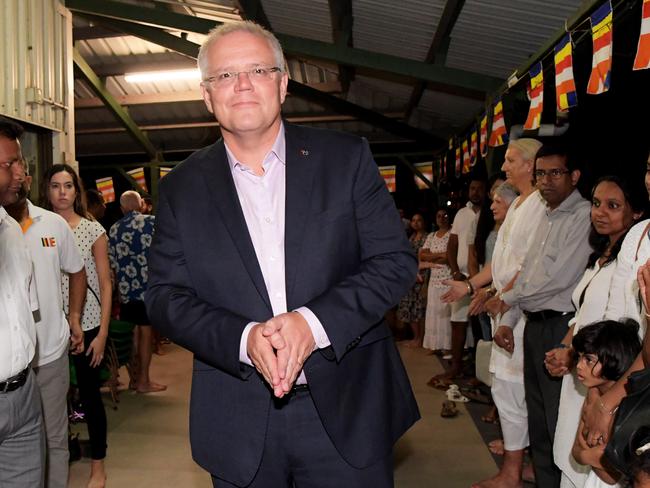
{"x":563,"y":282}
{"x":71,"y":275}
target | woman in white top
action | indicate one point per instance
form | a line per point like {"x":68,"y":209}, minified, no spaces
{"x":63,"y":194}
{"x":433,"y":255}
{"x":615,"y":207}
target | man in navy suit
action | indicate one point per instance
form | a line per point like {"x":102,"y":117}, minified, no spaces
{"x":277,"y":252}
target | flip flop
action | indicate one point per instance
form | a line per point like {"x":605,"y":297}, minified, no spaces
{"x":449,"y":409}
{"x":439,"y":383}
{"x":454,"y":394}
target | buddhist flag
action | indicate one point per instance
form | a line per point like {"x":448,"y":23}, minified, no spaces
{"x":138,"y":175}
{"x":601,"y":64}
{"x":164,"y":171}
{"x":499,"y":134}
{"x":451,"y":143}
{"x":105,"y":187}
{"x":536,"y":97}
{"x":473,"y":149}
{"x":458,"y":162}
{"x":565,"y":86}
{"x":484,"y":137}
{"x":427,"y":171}
{"x":388,"y":174}
{"x":467,"y":162}
{"x":642,"y":59}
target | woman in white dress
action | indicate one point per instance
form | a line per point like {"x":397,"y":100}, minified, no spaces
{"x":433,"y":255}
{"x":63,"y":194}
{"x":614,"y":209}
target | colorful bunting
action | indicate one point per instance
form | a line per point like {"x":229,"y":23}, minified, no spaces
{"x":473,"y":151}
{"x":427,"y":171}
{"x":642,"y":59}
{"x":499,"y":134}
{"x":388,"y":174}
{"x":138,"y":175}
{"x":466,"y":158}
{"x":565,"y":87}
{"x":451,"y":143}
{"x":484,"y":137}
{"x":601,"y":65}
{"x":458,"y":163}
{"x":105,"y":187}
{"x":536,"y":97}
{"x":164,"y":171}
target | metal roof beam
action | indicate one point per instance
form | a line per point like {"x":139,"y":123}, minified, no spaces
{"x":438,"y":50}
{"x":443,"y":77}
{"x":157,"y":36}
{"x":342,"y":20}
{"x":120,"y":113}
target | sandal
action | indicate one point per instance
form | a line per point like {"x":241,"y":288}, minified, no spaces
{"x":454,"y":394}
{"x":449,"y":409}
{"x":492,"y":417}
{"x":439,"y":383}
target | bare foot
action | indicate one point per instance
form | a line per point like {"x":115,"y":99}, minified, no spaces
{"x":150,"y":387}
{"x":97,"y":474}
{"x":499,"y":481}
{"x":496,"y":447}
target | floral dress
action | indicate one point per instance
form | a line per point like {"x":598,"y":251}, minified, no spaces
{"x":411,"y":308}
{"x":437,"y":323}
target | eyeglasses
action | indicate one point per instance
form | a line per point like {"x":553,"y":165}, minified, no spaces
{"x":259,"y":73}
{"x":554,"y":173}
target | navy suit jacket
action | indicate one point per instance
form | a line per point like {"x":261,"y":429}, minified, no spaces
{"x":346,"y":258}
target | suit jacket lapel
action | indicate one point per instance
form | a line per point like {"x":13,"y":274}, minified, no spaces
{"x":224,"y":194}
{"x":299,"y":180}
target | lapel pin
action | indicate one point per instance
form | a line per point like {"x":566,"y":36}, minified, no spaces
{"x":304,"y":152}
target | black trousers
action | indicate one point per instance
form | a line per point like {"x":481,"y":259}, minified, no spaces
{"x":543,"y":395}
{"x":299,"y":453}
{"x":89,"y":382}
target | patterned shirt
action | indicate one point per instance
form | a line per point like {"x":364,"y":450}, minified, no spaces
{"x":130,"y":239}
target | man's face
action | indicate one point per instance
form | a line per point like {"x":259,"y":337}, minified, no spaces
{"x":476,"y":192}
{"x":10,"y":155}
{"x":517,"y":169}
{"x":243,"y":106}
{"x":557,"y":182}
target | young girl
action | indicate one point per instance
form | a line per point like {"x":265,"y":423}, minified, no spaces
{"x":605,"y":351}
{"x":62,"y":193}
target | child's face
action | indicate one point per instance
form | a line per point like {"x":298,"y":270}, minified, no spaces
{"x":588,"y":370}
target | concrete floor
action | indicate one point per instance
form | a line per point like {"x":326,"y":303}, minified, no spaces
{"x":149,"y":445}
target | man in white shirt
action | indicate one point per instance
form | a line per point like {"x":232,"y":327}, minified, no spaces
{"x":53,"y":250}
{"x":22,"y":440}
{"x":458,"y":254}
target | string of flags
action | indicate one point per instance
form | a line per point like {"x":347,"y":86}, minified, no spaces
{"x":138,"y":175}
{"x":495,"y":134}
{"x":105,"y":187}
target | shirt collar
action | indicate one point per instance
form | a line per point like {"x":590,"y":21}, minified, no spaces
{"x":278,"y":151}
{"x":34,"y":211}
{"x":3,"y":214}
{"x":569,"y":203}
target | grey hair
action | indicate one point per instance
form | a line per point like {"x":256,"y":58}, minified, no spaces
{"x":527,"y":146}
{"x":507,"y":192}
{"x":243,"y":26}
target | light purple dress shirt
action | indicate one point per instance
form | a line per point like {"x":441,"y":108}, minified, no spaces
{"x":262,"y":200}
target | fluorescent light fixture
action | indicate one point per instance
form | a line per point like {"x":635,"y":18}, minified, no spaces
{"x":149,"y":76}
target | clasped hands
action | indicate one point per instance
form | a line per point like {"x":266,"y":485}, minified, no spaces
{"x":278,"y":349}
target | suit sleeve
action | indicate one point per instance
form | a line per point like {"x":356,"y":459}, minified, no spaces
{"x":387,"y":267}
{"x":212,"y":334}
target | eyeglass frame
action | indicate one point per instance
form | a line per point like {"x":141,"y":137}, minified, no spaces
{"x":553,"y":174}
{"x":234,"y":75}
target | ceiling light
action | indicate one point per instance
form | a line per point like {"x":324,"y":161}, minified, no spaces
{"x":149,"y":76}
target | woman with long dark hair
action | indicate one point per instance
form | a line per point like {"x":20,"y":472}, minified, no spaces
{"x":62,"y":192}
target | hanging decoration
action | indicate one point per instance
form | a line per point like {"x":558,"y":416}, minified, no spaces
{"x":164,"y":171}
{"x":451,"y":143}
{"x":565,"y":86}
{"x":473,"y":150}
{"x":536,"y":97}
{"x":642,"y":59}
{"x":484,"y":136}
{"x":105,"y":187}
{"x":466,"y":158}
{"x":138,"y":175}
{"x":458,"y":163}
{"x":499,"y":134}
{"x":427,"y":171}
{"x":388,"y":174}
{"x":601,"y":65}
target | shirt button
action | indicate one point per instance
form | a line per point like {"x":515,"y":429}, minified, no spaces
{"x":268,"y":220}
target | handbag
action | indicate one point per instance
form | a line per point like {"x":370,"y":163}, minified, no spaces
{"x":633,"y":413}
